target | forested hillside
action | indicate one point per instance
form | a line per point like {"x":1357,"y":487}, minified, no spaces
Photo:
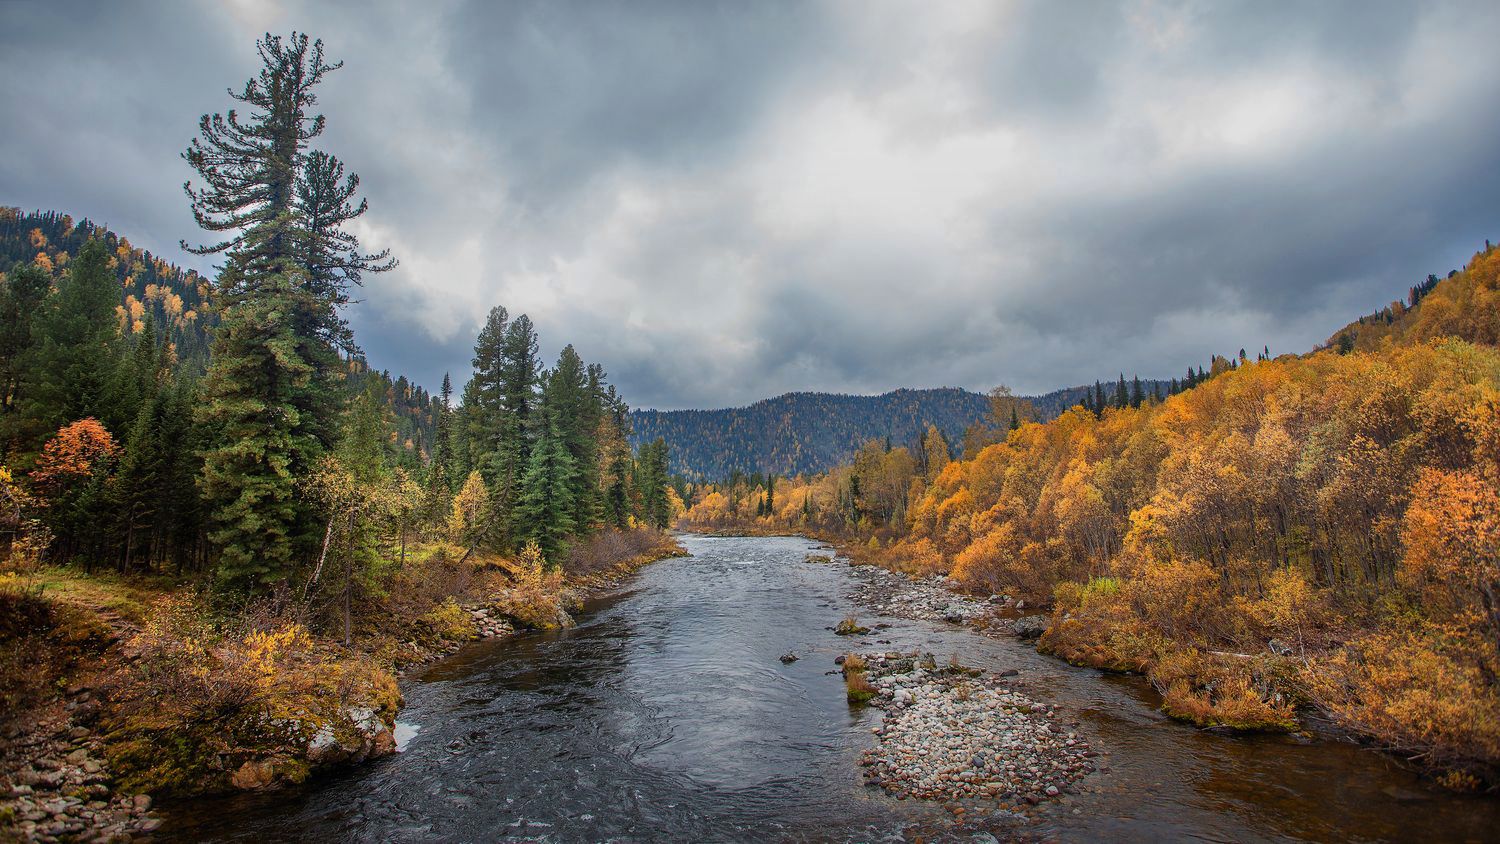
{"x":175,"y":307}
{"x":175,"y":300}
{"x":1316,"y":530}
{"x":812,"y":432}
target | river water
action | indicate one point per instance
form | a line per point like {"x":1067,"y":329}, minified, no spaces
{"x":667,"y":715}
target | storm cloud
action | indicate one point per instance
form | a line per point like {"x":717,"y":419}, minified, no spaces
{"x":725,"y":201}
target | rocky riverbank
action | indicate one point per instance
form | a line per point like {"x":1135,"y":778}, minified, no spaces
{"x":58,"y":786}
{"x":474,"y":622}
{"x":952,"y":733}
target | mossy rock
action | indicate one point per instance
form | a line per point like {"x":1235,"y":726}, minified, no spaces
{"x":850,"y":627}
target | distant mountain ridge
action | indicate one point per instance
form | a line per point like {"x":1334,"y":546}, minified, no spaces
{"x":811,"y":432}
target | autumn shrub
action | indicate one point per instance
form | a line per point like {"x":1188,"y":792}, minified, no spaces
{"x":1291,"y":612}
{"x":984,"y":566}
{"x":449,"y":621}
{"x":1221,"y":690}
{"x":914,"y":556}
{"x":613,"y":549}
{"x":1095,"y":625}
{"x":1181,"y":600}
{"x":1428,"y":693}
{"x":204,"y":697}
{"x":537,"y":597}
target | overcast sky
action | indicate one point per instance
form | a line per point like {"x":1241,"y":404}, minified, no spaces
{"x":723,"y":202}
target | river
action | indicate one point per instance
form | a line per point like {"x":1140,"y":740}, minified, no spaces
{"x":667,"y":715}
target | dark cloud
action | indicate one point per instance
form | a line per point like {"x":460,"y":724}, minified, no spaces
{"x":722,"y":201}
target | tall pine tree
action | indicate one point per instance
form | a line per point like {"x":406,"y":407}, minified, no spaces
{"x":273,"y":395}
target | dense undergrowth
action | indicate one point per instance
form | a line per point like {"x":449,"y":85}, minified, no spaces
{"x":1316,"y":530}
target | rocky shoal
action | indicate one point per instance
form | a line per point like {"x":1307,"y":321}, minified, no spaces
{"x":934,"y":599}
{"x":951,"y":733}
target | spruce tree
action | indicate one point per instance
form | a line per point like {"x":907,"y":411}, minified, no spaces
{"x":69,"y":375}
{"x":483,"y":397}
{"x":1121,"y":397}
{"x":440,"y":472}
{"x":135,"y":379}
{"x":25,"y":289}
{"x":572,"y":397}
{"x":656,"y":504}
{"x":544,"y":510}
{"x":518,"y":376}
{"x":141,"y":480}
{"x":1137,"y":395}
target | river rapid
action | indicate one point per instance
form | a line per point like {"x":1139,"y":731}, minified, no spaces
{"x":668,"y":715}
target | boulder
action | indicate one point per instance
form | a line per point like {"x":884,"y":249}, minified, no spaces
{"x":254,"y":775}
{"x":1030,"y":626}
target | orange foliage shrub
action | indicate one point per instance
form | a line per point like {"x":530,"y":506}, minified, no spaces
{"x":72,"y":455}
{"x":1221,"y":691}
{"x":1422,"y":692}
{"x":1452,"y":535}
{"x":919,"y":557}
{"x":1181,"y":600}
{"x":537,"y":597}
{"x":1094,"y":625}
